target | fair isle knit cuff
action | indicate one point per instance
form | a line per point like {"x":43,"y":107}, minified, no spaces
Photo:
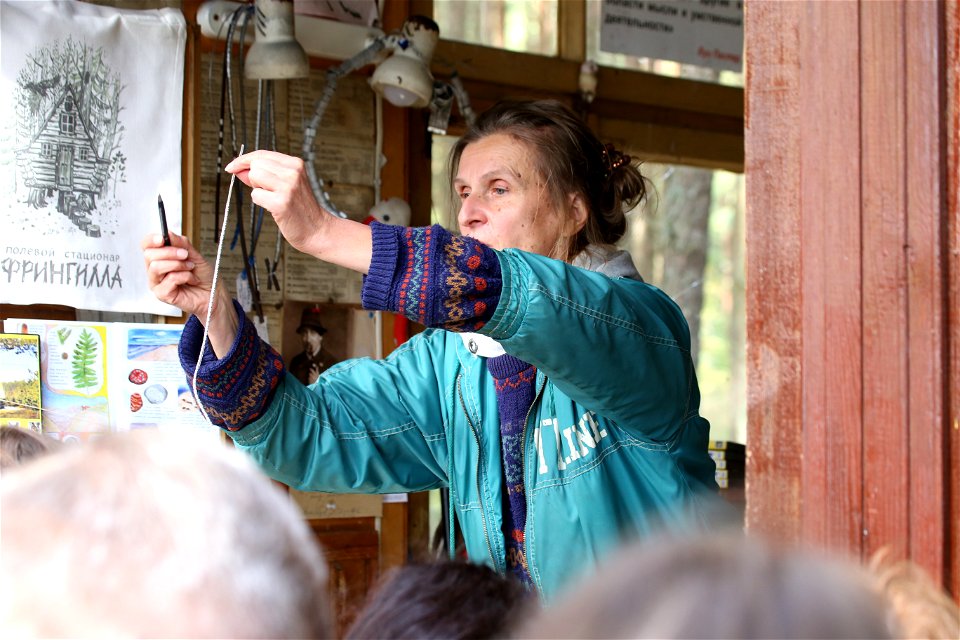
{"x":432,"y":277}
{"x":234,"y":390}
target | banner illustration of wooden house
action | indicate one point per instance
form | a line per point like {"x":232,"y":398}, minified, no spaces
{"x":68,"y":134}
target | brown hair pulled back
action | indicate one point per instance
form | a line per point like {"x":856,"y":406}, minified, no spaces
{"x":571,"y":160}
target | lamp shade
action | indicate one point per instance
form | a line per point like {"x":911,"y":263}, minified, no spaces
{"x":275,"y":54}
{"x":404,"y":79}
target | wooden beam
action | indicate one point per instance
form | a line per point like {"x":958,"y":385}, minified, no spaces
{"x":952,"y":91}
{"x":395,"y":182}
{"x":190,"y":162}
{"x":540,"y":73}
{"x":831,"y":287}
{"x":885,"y":300}
{"x":674,"y":144}
{"x":572,"y":30}
{"x":774,"y":322}
{"x":924,"y":178}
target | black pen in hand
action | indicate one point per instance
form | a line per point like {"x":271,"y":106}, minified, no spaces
{"x":163,"y":222}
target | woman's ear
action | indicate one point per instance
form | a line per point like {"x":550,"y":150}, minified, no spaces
{"x":577,"y":213}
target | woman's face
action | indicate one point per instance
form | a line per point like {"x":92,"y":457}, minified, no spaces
{"x":503,"y":200}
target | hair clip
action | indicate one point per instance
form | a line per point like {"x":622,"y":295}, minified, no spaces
{"x":613,"y":159}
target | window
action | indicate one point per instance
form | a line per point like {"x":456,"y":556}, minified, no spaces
{"x":48,"y":150}
{"x":441,"y":212}
{"x":705,"y":277}
{"x":68,"y":123}
{"x":528,"y":26}
{"x":83,"y":153}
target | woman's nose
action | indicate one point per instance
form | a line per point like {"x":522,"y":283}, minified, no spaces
{"x":471,"y":208}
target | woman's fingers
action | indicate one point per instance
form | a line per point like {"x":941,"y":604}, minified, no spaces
{"x":241,"y":163}
{"x":157,"y":269}
{"x":168,"y":253}
{"x":272,"y":177}
{"x":268,"y":170}
{"x":274,"y":202}
{"x":150,"y":241}
{"x":172,"y":271}
{"x":169,"y":283}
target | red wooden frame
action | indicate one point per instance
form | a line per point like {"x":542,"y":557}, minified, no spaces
{"x":851,"y":167}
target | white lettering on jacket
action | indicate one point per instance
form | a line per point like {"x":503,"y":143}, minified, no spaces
{"x":580,"y":440}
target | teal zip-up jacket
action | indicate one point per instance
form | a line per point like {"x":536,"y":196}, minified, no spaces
{"x":614,"y":446}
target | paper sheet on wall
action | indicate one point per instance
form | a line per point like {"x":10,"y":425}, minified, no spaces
{"x":103,"y":377}
{"x":91,"y":105}
{"x":705,"y":33}
{"x":20,"y":399}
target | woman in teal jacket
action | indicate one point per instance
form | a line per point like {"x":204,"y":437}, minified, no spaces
{"x":553,"y":392}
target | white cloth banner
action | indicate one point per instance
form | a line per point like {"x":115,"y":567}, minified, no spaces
{"x":90,"y":119}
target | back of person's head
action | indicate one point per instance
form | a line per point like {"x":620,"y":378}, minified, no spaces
{"x":923,"y":610}
{"x":571,"y":160}
{"x":716,"y":587}
{"x":445,"y":599}
{"x":146,"y":535}
{"x":18,"y":446}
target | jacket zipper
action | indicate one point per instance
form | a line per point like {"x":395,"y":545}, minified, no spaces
{"x":526,"y":485}
{"x":483,"y":511}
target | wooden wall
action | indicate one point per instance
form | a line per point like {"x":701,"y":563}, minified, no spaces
{"x":851,"y":169}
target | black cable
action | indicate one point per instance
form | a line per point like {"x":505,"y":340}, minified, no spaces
{"x":223,"y":105}
{"x":247,"y":270}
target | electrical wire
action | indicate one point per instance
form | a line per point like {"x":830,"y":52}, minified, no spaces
{"x":364,"y":57}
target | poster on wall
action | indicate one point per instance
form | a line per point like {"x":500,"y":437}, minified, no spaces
{"x":20,"y":402}
{"x":90,"y":118}
{"x":119,"y":376}
{"x":704,"y":33}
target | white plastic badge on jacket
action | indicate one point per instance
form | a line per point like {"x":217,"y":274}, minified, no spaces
{"x":91,"y":105}
{"x":480,"y":345}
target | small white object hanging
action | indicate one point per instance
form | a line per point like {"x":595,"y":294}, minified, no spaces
{"x":244,"y":295}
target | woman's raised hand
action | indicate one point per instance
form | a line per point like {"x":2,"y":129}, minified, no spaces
{"x":181,"y":276}
{"x":178,"y":274}
{"x":280,"y":185}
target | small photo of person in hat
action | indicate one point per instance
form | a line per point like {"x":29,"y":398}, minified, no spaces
{"x":314,"y":359}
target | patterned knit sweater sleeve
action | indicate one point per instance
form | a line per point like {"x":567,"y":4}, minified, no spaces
{"x":432,"y":277}
{"x":427,"y":274}
{"x":236,"y":389}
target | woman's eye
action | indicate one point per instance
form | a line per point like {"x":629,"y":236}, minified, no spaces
{"x":463,"y":195}
{"x":499,"y":191}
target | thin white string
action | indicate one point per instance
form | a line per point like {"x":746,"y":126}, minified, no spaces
{"x":213,"y":291}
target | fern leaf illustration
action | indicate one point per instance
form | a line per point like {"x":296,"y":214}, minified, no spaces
{"x":63,"y":334}
{"x":84,"y":358}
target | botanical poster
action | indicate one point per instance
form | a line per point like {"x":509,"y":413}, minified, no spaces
{"x":95,"y":378}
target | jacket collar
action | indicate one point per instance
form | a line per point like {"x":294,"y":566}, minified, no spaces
{"x":608,"y":260}
{"x":605,"y":259}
